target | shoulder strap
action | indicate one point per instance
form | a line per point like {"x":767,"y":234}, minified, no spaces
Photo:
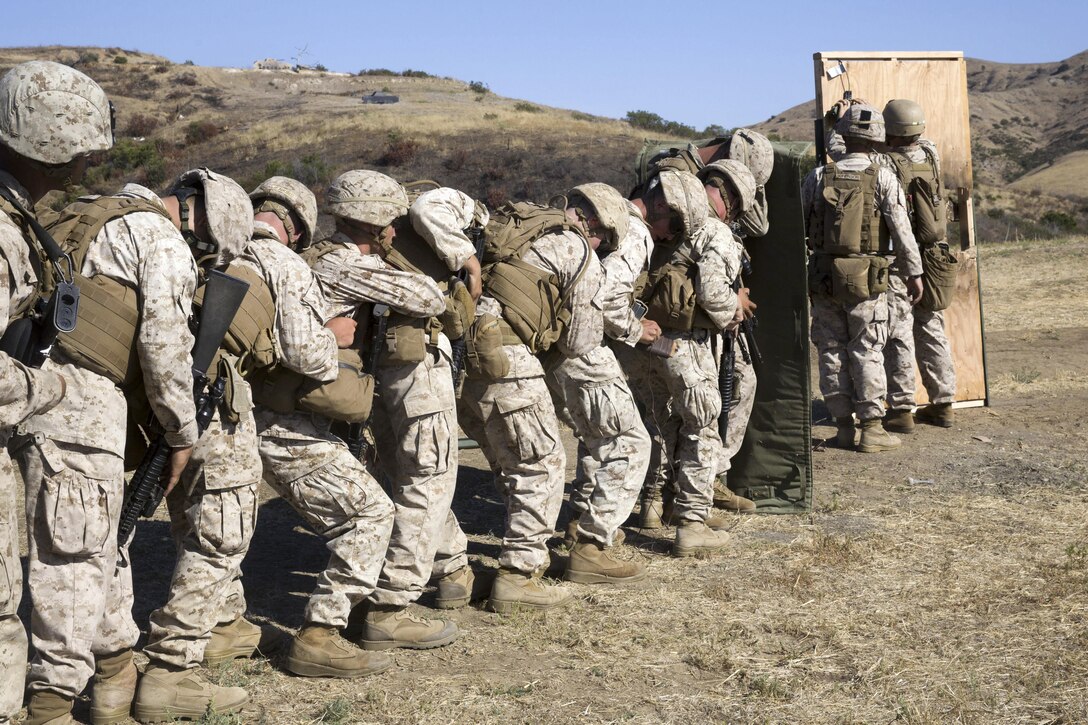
{"x":52,"y":250}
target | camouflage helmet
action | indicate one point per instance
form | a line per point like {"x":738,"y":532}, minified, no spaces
{"x":861,"y":121}
{"x":610,"y":206}
{"x":52,"y":113}
{"x":296,"y":197}
{"x":737,"y":175}
{"x":903,"y":117}
{"x":368,"y":197}
{"x":685,"y":195}
{"x":227,"y":207}
{"x":754,"y":150}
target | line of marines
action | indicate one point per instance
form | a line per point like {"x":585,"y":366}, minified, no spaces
{"x":352,"y":364}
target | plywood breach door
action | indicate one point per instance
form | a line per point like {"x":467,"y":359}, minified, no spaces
{"x":938,"y":82}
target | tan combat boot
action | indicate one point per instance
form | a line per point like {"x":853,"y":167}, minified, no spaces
{"x":899,"y":421}
{"x":720,"y":522}
{"x":591,"y":563}
{"x":48,"y":708}
{"x":846,"y":434}
{"x":695,"y":537}
{"x":113,"y":688}
{"x":938,"y":414}
{"x":232,"y":640}
{"x":875,"y":439}
{"x":725,"y":498}
{"x":388,"y":627}
{"x":165,"y":695}
{"x":320,"y":651}
{"x":515,"y":589}
{"x":649,"y":515}
{"x":456,"y":589}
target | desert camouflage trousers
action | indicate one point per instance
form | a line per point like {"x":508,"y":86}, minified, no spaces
{"x":338,"y":498}
{"x":81,"y":597}
{"x":613,"y":445}
{"x":849,"y":342}
{"x":740,"y":410}
{"x":514,"y":420}
{"x":12,"y":633}
{"x":415,"y":431}
{"x":213,"y":511}
{"x":682,"y":402}
{"x":916,"y":336}
{"x":899,"y":350}
{"x":934,"y":356}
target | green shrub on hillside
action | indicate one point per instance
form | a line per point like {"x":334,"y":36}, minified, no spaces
{"x":652,"y":122}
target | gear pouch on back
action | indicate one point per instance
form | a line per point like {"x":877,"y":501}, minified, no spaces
{"x":878,"y":275}
{"x":672,"y":303}
{"x":850,"y":279}
{"x":484,"y":349}
{"x":844,"y":211}
{"x":930,"y":215}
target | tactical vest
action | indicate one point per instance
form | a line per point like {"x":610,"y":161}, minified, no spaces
{"x":108,"y":320}
{"x":669,"y":289}
{"x":922,"y":186}
{"x":533,"y":305}
{"x":845,"y":219}
{"x":407,"y":337}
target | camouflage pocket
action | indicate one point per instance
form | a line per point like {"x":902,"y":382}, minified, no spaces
{"x":76,"y":513}
{"x":525,"y":427}
{"x":224,"y":519}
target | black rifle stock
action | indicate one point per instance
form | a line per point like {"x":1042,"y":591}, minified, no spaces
{"x":749,"y":350}
{"x":356,"y":441}
{"x":457,"y":363}
{"x":223,"y":296}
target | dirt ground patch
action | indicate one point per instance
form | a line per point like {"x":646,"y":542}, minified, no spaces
{"x":946,"y":582}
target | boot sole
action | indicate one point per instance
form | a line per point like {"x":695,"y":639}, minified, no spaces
{"x":170,"y":714}
{"x":111,"y":717}
{"x":311,"y":669}
{"x":588,"y":577}
{"x":899,"y":429}
{"x":877,"y":449}
{"x":452,"y":603}
{"x":511,"y":607}
{"x":935,"y":424}
{"x":384,"y":644}
{"x":234,"y":653}
{"x":686,"y":551}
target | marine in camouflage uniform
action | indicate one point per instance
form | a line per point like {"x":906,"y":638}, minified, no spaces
{"x":683,"y":388}
{"x":613,"y":445}
{"x":73,"y":120}
{"x":304,"y":462}
{"x":415,"y":401}
{"x":755,"y":152}
{"x":515,"y":419}
{"x":917,"y":334}
{"x":415,"y":428}
{"x":213,"y":510}
{"x":850,"y":337}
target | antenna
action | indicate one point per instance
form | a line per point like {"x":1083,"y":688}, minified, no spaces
{"x":301,"y":53}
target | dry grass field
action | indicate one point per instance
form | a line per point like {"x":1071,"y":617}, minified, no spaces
{"x":943,"y":583}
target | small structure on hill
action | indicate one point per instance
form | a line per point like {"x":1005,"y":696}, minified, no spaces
{"x":380,"y":97}
{"x":271,"y":64}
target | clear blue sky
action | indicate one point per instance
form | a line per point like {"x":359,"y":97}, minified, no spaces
{"x":699,"y":63}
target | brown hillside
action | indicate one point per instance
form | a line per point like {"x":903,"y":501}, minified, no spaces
{"x":254,"y":123}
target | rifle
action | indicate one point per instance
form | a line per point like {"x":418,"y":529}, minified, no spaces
{"x":457,"y":363}
{"x":356,"y":439}
{"x":749,"y":350}
{"x":223,"y":295}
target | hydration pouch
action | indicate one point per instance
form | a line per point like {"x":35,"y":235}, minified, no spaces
{"x":850,"y":279}
{"x":484,"y":349}
{"x":939,"y":270}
